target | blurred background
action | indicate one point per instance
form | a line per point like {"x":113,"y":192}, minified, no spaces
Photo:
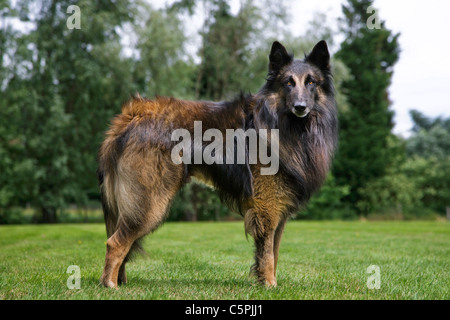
{"x":61,"y":83}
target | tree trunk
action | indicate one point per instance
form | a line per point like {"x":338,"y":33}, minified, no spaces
{"x":48,"y":215}
{"x":195,"y":189}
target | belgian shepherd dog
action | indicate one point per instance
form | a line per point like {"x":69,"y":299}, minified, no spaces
{"x":138,"y":176}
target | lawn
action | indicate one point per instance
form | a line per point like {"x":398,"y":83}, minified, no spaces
{"x":318,"y":260}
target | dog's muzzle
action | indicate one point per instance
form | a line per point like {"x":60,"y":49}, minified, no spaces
{"x":300,"y":111}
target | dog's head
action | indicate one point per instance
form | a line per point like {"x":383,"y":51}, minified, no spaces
{"x":298,"y":81}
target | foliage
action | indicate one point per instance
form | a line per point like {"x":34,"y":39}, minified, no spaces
{"x":162,"y":69}
{"x":64,"y":84}
{"x":430,"y":136}
{"x":393,"y":192}
{"x":328,"y":203}
{"x":197,"y":202}
{"x":227,"y":51}
{"x":59,"y":88}
{"x":429,"y":162}
{"x":417,"y":182}
{"x":366,"y":126}
{"x":431,"y":176}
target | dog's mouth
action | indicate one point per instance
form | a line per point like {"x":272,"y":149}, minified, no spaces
{"x":300,"y":111}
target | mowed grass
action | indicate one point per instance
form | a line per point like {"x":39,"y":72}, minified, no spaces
{"x":318,"y":260}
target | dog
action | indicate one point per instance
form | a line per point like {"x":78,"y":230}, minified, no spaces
{"x":143,"y":164}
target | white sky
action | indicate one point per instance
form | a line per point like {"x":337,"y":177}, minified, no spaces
{"x":422,"y":75}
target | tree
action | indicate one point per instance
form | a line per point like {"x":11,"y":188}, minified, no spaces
{"x":431,"y":137}
{"x":226,"y":50}
{"x":365,"y":127}
{"x":65,"y":84}
{"x":393,"y":194}
{"x":162,"y":66}
{"x":428,"y":164}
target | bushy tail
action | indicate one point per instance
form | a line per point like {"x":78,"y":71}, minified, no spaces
{"x":107,"y":176}
{"x":109,"y":204}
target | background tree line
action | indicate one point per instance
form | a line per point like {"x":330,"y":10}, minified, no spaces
{"x":59,"y":88}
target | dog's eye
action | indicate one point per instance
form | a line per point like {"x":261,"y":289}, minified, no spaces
{"x":290,"y":83}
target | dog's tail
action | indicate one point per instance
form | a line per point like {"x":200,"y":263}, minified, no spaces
{"x":109,"y":204}
{"x":109,"y":184}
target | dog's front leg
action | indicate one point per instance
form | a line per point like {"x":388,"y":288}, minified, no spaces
{"x":264,"y":267}
{"x":262,"y":229}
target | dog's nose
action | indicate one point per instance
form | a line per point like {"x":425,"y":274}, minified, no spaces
{"x":300,"y":108}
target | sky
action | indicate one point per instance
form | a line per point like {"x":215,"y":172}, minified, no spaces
{"x":421,"y":77}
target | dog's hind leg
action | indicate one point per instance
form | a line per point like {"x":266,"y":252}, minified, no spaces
{"x":144,"y":188}
{"x":136,"y":246}
{"x":116,"y":251}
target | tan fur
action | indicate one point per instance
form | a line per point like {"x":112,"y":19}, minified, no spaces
{"x":265,"y":220}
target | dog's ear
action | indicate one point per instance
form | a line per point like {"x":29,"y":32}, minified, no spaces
{"x":319,"y":56}
{"x":278,"y":57}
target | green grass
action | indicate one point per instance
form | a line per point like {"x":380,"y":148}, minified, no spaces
{"x":318,"y":260}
